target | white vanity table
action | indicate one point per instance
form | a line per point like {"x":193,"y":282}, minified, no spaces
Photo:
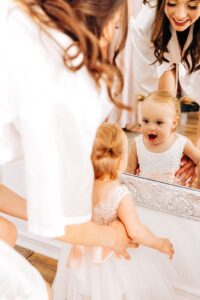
{"x":168,"y":210}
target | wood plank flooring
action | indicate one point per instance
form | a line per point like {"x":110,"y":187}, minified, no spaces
{"x":45,"y":265}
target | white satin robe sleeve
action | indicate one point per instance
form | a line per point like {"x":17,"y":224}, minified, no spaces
{"x":147,"y":73}
{"x":48,"y":117}
{"x":18,"y":278}
{"x":58,"y":170}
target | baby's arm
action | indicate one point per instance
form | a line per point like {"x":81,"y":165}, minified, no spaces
{"x":132,"y":159}
{"x":138,"y":232}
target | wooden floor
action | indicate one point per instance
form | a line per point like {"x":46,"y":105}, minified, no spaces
{"x":47,"y":266}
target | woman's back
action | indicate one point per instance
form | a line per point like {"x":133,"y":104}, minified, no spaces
{"x":55,"y":110}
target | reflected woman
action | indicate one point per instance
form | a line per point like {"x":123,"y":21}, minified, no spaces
{"x":166,"y":37}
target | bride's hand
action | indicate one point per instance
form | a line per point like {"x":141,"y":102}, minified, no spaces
{"x":122,"y":241}
{"x":187,"y":172}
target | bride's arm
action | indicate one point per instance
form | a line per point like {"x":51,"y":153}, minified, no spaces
{"x":113,"y":236}
{"x":12,"y":204}
{"x":167,"y":82}
{"x":91,"y":234}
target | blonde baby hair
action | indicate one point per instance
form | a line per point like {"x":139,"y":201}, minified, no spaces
{"x":166,"y":97}
{"x":107,"y":151}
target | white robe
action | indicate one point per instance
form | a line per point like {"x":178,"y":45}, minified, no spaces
{"x":48,"y":118}
{"x":19,"y":280}
{"x":148,"y":74}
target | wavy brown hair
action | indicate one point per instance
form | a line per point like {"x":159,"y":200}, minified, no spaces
{"x":84,"y":21}
{"x":161,"y":35}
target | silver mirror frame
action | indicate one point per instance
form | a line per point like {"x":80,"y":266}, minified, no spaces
{"x":163,"y":197}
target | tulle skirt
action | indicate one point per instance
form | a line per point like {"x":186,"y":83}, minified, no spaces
{"x":148,"y":276}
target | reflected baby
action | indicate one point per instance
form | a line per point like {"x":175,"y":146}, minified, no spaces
{"x":159,"y":149}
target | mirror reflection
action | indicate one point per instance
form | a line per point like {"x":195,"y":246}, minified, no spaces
{"x":166,"y":57}
{"x":157,"y":152}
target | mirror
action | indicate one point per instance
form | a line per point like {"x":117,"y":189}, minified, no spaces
{"x":135,"y":74}
{"x":176,"y":200}
{"x":188,"y":127}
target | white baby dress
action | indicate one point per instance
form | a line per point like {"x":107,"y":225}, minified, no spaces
{"x":163,"y":165}
{"x":148,"y":276}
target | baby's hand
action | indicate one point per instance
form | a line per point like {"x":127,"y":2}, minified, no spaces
{"x":167,"y":247}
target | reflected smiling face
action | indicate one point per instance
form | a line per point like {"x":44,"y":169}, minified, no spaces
{"x":159,"y":120}
{"x":182,"y":13}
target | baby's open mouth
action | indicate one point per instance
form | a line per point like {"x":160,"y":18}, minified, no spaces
{"x":152,"y":136}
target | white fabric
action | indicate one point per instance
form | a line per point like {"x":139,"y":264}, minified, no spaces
{"x":184,"y":234}
{"x":18,"y":279}
{"x":148,"y":276}
{"x":126,"y":62}
{"x":146,"y":74}
{"x":48,"y":116}
{"x":163,"y":165}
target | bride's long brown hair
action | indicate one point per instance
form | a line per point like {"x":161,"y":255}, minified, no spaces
{"x":84,"y":21}
{"x":161,"y":35}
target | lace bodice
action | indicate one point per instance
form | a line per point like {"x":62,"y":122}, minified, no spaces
{"x":105,"y":211}
{"x":160,"y":166}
